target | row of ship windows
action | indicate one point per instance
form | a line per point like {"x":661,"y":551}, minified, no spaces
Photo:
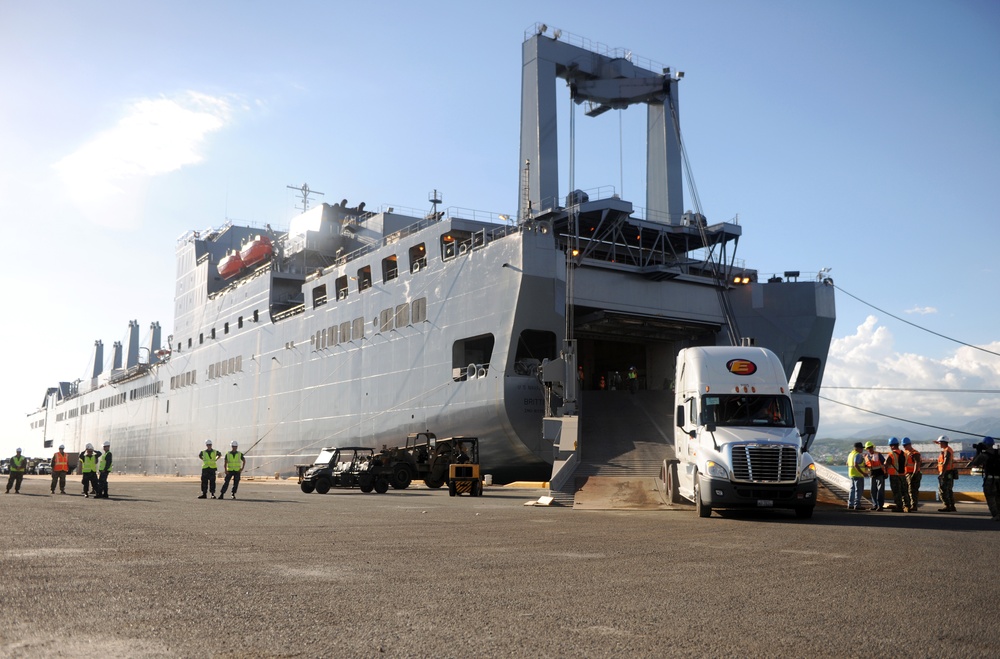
{"x":211,"y":333}
{"x":225,"y":367}
{"x":388,"y":319}
{"x":108,"y":401}
{"x":183,"y":380}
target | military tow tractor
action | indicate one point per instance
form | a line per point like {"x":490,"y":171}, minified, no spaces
{"x":337,"y":467}
{"x":463,"y":471}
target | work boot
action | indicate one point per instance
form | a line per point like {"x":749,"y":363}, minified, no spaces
{"x":203,"y":496}
{"x":946,"y":509}
{"x":232,"y":496}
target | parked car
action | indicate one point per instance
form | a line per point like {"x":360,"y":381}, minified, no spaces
{"x":43,"y":468}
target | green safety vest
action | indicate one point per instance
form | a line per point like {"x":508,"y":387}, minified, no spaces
{"x":852,"y":469}
{"x":209,"y":459}
{"x":17,"y":463}
{"x":103,"y":461}
{"x":234,"y":461}
{"x":88,"y":463}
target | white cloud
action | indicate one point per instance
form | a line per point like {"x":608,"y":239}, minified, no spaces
{"x":868,"y":360}
{"x":922,"y":310}
{"x":107,"y":177}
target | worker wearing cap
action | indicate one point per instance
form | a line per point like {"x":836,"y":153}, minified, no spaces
{"x":60,"y":469}
{"x":234,"y":467}
{"x":18,"y":464}
{"x":103,"y":469}
{"x":209,"y":465}
{"x":875,"y":462}
{"x":633,"y":380}
{"x":88,"y":467}
{"x":857,"y":471}
{"x":988,"y":458}
{"x":946,"y":475}
{"x":911,"y":469}
{"x":894,"y":463}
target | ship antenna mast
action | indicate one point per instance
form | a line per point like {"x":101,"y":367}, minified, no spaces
{"x":305,"y":191}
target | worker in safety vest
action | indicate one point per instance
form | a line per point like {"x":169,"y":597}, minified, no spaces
{"x":857,"y":471}
{"x":946,"y":475}
{"x":875,"y":462}
{"x":988,"y":458}
{"x":209,"y":464}
{"x":18,"y":464}
{"x":633,"y":380}
{"x":88,"y":467}
{"x":103,"y":469}
{"x":234,"y":467}
{"x":894,"y":463}
{"x":911,"y":470}
{"x":60,"y":469}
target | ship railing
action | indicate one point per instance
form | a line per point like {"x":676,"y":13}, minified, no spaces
{"x":592,"y":46}
{"x":288,"y":313}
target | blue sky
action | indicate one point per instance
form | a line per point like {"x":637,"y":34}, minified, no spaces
{"x":859,"y":136}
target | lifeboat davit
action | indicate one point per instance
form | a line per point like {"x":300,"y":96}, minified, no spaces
{"x":256,"y":251}
{"x":230,"y":265}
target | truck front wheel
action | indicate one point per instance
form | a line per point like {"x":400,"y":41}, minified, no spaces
{"x":699,"y":505}
{"x":401,"y":477}
{"x":673,"y":494}
{"x":322,"y":485}
{"x":307,"y":486}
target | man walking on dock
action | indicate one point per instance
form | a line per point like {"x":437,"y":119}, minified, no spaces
{"x":911,"y":469}
{"x":103,"y":469}
{"x":875,"y":463}
{"x":60,"y":469}
{"x":234,"y":467}
{"x":18,"y":464}
{"x":894,"y":465}
{"x":988,"y":457}
{"x":946,"y":475}
{"x":856,"y":470}
{"x":88,"y":466}
{"x":209,"y":465}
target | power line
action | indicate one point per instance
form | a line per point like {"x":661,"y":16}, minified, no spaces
{"x":938,"y":391}
{"x":903,"y":320}
{"x":898,"y":418}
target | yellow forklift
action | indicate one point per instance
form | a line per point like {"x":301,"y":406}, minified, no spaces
{"x":463,"y":471}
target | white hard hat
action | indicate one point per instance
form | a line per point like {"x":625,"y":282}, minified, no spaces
{"x":18,"y":450}
{"x":942,"y":438}
{"x":90,"y":447}
{"x":208,"y":442}
{"x":235,"y":443}
{"x":62,"y":446}
{"x":107,"y":442}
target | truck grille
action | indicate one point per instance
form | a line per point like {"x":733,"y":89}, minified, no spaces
{"x":765,"y":464}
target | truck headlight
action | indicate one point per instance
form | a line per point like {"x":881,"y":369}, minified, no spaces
{"x":715,"y":470}
{"x":808,"y":474}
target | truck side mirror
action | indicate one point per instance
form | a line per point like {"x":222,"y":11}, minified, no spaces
{"x":810,"y":422}
{"x":710,"y":427}
{"x":679,"y":416}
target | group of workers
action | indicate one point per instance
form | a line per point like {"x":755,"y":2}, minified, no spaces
{"x":902,"y":467}
{"x":94,"y":465}
{"x":235,"y":462}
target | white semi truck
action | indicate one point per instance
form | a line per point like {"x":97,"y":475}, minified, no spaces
{"x":736,"y":442}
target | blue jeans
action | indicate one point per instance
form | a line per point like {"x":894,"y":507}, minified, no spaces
{"x":878,"y":491}
{"x":857,"y":491}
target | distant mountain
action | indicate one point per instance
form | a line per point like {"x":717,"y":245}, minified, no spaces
{"x":988,"y":426}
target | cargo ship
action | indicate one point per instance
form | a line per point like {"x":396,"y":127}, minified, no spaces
{"x":357,"y":326}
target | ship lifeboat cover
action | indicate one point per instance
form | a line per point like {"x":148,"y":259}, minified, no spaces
{"x":257,"y":250}
{"x":230,"y":265}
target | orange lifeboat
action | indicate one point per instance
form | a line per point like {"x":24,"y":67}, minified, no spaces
{"x":230,"y":265}
{"x":256,"y":251}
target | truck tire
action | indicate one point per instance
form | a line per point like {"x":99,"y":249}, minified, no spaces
{"x":307,"y":486}
{"x":475,"y":489}
{"x":805,"y":512}
{"x":433,"y":483}
{"x":451,"y":489}
{"x":673,"y":493}
{"x":401,"y":477}
{"x":366,"y":482}
{"x":322,"y":485}
{"x":703,"y":510}
{"x":381,"y":485}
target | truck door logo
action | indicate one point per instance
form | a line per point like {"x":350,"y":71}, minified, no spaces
{"x":741,"y":367}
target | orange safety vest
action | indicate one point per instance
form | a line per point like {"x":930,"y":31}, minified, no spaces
{"x":894,"y":458}
{"x":60,"y":462}
{"x":912,"y":461}
{"x":946,"y":460}
{"x":873,"y":460}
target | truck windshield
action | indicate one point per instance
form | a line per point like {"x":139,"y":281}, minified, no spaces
{"x":743,"y":410}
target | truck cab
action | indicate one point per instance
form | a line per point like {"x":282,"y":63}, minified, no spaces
{"x":736,"y":442}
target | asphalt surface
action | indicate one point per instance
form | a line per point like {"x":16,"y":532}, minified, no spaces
{"x":154,"y":572}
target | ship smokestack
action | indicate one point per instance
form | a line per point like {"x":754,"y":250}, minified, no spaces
{"x":98,"y":359}
{"x":132,"y":358}
{"x":154,"y":342}
{"x":116,"y":364}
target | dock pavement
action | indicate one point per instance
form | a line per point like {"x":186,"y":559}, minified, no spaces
{"x":155,"y":572}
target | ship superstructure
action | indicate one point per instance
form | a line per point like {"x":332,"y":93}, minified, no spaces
{"x":358,"y":326}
